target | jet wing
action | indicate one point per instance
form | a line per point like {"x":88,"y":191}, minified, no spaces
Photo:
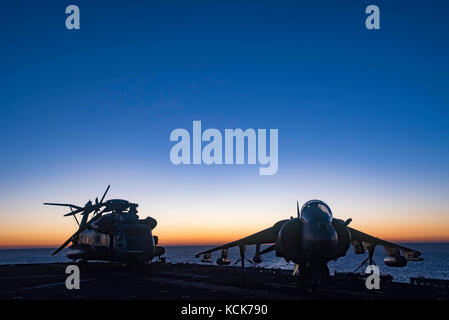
{"x":268,"y":235}
{"x":361,"y":241}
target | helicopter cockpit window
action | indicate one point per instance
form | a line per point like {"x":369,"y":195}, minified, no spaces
{"x":315,"y":212}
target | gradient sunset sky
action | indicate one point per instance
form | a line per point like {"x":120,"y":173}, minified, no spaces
{"x":363,"y":116}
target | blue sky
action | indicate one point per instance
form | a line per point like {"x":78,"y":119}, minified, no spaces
{"x":362,"y":114}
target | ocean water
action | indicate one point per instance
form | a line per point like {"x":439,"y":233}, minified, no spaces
{"x":435,"y":264}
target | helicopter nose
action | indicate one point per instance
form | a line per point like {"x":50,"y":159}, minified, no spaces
{"x":320,"y":241}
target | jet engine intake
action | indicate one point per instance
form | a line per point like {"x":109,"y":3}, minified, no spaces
{"x":288,"y":244}
{"x":344,"y":237}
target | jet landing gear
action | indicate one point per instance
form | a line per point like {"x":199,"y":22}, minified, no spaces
{"x":312,"y":276}
{"x":242,"y":259}
{"x":370,"y":249}
{"x":310,"y":269}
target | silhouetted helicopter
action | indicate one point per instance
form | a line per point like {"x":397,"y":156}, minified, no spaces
{"x":312,"y":240}
{"x":116,"y":236}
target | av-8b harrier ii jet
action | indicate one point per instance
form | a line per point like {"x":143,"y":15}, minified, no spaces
{"x":312,"y":239}
{"x":114,"y":233}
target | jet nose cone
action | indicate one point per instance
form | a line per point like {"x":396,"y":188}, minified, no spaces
{"x":320,"y":241}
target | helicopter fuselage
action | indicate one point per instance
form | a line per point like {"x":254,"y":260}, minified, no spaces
{"x":116,"y":237}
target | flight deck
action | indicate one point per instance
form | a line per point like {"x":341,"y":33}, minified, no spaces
{"x":165,"y":281}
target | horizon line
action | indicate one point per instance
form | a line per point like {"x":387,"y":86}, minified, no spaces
{"x":12,"y":247}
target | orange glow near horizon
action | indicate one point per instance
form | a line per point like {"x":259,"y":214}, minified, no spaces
{"x":197,"y":209}
{"x":196,"y":235}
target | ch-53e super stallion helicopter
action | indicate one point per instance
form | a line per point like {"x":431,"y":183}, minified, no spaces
{"x":313,"y":239}
{"x":118,"y":235}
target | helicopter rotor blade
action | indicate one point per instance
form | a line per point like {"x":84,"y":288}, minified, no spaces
{"x":86,"y":210}
{"x":62,"y":247}
{"x":62,"y":205}
{"x":89,"y":210}
{"x":83,"y":211}
{"x":76,"y":219}
{"x":104,"y":195}
{"x":67,"y":242}
{"x":81,"y":229}
{"x":104,"y":210}
{"x":74,"y":212}
{"x":100,"y":204}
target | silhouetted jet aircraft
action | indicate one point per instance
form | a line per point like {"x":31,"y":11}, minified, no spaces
{"x":312,"y":240}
